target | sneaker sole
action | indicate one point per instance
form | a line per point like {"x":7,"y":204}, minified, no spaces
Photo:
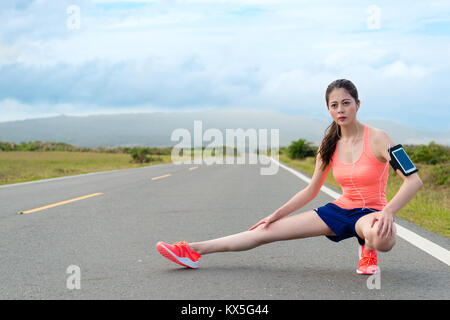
{"x":166,"y":253}
{"x":369,"y":273}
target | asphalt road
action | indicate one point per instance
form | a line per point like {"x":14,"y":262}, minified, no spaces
{"x":111,"y":238}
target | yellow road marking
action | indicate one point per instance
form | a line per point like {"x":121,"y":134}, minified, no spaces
{"x":160,"y":177}
{"x":61,"y":203}
{"x":193,"y":168}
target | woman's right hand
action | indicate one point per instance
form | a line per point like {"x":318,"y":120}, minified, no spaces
{"x":265,"y":222}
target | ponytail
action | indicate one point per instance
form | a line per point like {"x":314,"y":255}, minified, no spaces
{"x":326,"y":150}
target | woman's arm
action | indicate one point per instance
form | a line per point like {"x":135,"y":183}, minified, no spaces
{"x":302,"y":197}
{"x":411,"y":184}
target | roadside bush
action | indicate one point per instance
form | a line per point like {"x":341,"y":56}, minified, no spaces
{"x":140,"y":155}
{"x":6,"y":146}
{"x":440,"y":174}
{"x":61,"y":146}
{"x":144,"y":155}
{"x":148,"y":150}
{"x":432,"y":153}
{"x":301,"y":149}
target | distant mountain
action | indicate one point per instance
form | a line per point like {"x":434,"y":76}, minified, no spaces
{"x":155,"y":129}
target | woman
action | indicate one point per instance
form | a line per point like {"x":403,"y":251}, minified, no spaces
{"x":359,"y":157}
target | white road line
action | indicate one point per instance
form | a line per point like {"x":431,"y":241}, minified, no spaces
{"x":426,"y":245}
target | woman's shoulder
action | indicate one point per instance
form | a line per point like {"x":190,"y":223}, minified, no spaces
{"x":381,"y":141}
{"x":380,"y":136}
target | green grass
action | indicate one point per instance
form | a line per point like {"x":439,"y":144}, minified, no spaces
{"x":21,"y":166}
{"x":429,"y":208}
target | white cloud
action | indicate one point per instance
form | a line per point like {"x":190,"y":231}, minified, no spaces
{"x":269,"y":54}
{"x":400,"y":69}
{"x":247,"y":2}
{"x":125,"y":1}
{"x":8,"y":54}
{"x":164,"y":19}
{"x":11,"y":109}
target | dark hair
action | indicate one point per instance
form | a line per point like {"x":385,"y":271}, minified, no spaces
{"x":333,"y":131}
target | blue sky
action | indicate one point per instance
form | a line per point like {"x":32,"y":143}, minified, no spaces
{"x":174,"y":55}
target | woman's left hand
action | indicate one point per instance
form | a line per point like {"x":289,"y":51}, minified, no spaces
{"x":385,"y":224}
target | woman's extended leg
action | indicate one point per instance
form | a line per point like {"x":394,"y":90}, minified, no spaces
{"x":302,"y":225}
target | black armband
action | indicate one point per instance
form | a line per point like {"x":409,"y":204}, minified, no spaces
{"x":401,"y":161}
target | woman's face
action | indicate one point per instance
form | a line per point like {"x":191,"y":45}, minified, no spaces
{"x":342,"y":106}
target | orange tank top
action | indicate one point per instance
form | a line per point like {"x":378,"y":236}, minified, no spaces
{"x":366,"y":187}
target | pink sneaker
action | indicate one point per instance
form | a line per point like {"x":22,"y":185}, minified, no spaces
{"x":179,"y":253}
{"x":367,"y":262}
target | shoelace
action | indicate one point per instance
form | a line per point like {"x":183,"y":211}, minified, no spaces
{"x":180,"y":243}
{"x":369,"y":259}
{"x":183,"y":245}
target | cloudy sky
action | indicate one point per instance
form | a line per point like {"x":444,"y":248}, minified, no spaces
{"x":83,"y":57}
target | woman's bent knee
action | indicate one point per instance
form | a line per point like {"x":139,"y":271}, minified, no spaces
{"x":384,"y":244}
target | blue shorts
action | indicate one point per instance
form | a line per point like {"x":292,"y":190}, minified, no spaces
{"x":342,"y":221}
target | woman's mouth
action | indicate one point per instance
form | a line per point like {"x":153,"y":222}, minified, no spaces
{"x":342,"y":118}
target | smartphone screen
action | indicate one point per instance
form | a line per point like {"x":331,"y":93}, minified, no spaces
{"x":404,"y":160}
